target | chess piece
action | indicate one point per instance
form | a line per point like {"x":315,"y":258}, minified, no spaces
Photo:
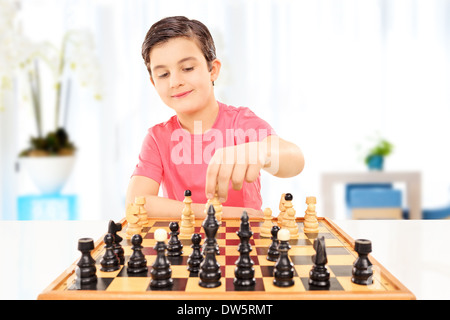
{"x":175,"y":247}
{"x":273,"y":253}
{"x":143,"y":218}
{"x":244,"y":272}
{"x":319,"y":276}
{"x":196,"y":257}
{"x":217,"y":206}
{"x":285,"y":204}
{"x":310,"y":224}
{"x":362,"y":267}
{"x":210,"y":273}
{"x":137,"y":262}
{"x":187,"y":217}
{"x":161,"y":271}
{"x":289,"y":218}
{"x":266,"y":227}
{"x":211,"y":211}
{"x":132,"y":216}
{"x":114,"y":228}
{"x":85,"y":270}
{"x":282,"y":210}
{"x":284,"y":268}
{"x":110,"y":262}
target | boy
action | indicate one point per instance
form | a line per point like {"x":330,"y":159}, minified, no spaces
{"x":208,"y":147}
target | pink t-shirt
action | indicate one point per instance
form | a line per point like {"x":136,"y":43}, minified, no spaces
{"x":178,"y":160}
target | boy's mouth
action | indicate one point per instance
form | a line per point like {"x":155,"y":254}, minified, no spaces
{"x":181,"y":94}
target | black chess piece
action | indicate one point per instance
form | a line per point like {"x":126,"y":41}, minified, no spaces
{"x":273,"y":253}
{"x":161,"y":271}
{"x":284,"y":268}
{"x":86,"y":270}
{"x":244,"y":273}
{"x":175,"y":247}
{"x":196,"y":257}
{"x":137,"y":262}
{"x":110,"y":261}
{"x":113,"y":228}
{"x":319,"y":276}
{"x":216,"y":245}
{"x":210,"y":273}
{"x":187,"y":193}
{"x":362,"y":267}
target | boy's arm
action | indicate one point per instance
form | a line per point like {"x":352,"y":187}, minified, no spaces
{"x":284,"y":159}
{"x":167,"y":208}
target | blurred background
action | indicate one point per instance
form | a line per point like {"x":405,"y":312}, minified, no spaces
{"x":345,"y":80}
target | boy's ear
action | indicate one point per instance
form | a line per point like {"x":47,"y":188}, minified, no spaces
{"x":151,"y":80}
{"x":215,"y":69}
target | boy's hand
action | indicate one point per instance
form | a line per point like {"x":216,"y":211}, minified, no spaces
{"x":236,"y":163}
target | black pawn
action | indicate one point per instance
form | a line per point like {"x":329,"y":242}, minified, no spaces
{"x":196,"y":257}
{"x":137,"y":262}
{"x":362,"y":267}
{"x":110,"y":261}
{"x":210,"y":273}
{"x":284,"y":268}
{"x":161,"y":271}
{"x":244,"y":272}
{"x":319,"y":276}
{"x":86,"y":270}
{"x":273,"y":253}
{"x":113,"y":228}
{"x":175,"y":247}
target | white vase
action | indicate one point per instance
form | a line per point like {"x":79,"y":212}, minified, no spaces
{"x":49,"y":174}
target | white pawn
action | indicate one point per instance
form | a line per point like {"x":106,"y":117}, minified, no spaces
{"x":187,"y":225}
{"x":310,"y":224}
{"x":266,"y":227}
{"x":282,"y":210}
{"x":289,"y":221}
{"x":132,"y":216}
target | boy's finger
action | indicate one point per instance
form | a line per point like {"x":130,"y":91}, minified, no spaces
{"x":252,"y":172}
{"x":238,"y":176}
{"x":223,"y":181}
{"x":211,"y":179}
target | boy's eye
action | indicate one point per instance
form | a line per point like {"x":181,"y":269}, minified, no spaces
{"x":163,"y":75}
{"x":188,"y":69}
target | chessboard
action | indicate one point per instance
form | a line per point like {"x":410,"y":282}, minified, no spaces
{"x":340,"y":252}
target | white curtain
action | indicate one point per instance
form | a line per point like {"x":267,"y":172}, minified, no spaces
{"x":326,"y":74}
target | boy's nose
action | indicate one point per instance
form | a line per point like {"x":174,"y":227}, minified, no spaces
{"x":176,"y":80}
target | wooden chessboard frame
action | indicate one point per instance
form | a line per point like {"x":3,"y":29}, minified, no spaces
{"x":55,"y":290}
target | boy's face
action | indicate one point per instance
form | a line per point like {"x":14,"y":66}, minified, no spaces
{"x":180,"y":75}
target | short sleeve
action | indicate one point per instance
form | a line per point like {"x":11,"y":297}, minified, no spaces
{"x":250,"y":127}
{"x":149,"y":164}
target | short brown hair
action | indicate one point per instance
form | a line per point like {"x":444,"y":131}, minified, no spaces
{"x":179,"y":26}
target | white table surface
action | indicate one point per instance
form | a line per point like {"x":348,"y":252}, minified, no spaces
{"x":34,"y":253}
